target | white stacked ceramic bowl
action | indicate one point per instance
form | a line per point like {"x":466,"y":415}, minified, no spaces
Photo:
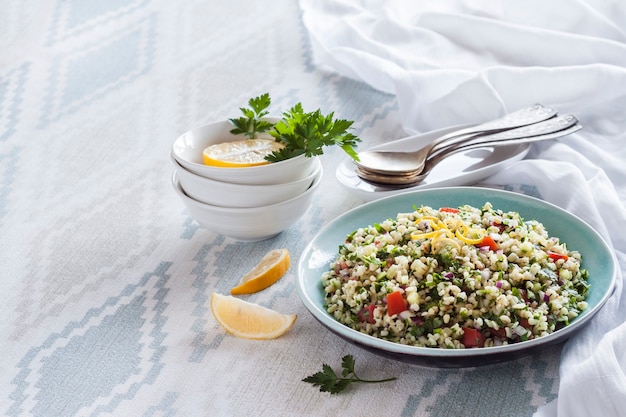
{"x":187,"y":151}
{"x":247,"y":203}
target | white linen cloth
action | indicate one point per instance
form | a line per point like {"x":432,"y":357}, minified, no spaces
{"x":471,"y":61}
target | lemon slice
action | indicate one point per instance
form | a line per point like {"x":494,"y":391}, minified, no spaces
{"x":269,"y":270}
{"x":240,"y":153}
{"x":248,"y":320}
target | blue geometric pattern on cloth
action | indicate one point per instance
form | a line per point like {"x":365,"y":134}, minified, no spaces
{"x":360,"y":98}
{"x":190,"y":226}
{"x":97,"y":70}
{"x":11,"y":91}
{"x":8,"y":169}
{"x":100,"y":361}
{"x":71,"y":18}
{"x":164,"y":408}
{"x":455,"y":402}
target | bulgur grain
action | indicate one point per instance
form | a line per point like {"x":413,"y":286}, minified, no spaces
{"x":528,"y":287}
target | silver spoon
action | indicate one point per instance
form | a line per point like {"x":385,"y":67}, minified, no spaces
{"x":413,"y":162}
{"x":553,"y":125}
{"x":415,"y":178}
{"x":379,"y":161}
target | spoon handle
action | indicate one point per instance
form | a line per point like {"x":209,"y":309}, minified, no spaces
{"x":438,"y":157}
{"x":402,"y":181}
{"x":546,"y":127}
{"x":523,"y":117}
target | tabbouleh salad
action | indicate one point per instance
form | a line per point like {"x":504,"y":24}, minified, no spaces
{"x":455,"y":278}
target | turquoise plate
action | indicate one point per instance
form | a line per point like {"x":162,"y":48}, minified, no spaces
{"x":598,"y":259}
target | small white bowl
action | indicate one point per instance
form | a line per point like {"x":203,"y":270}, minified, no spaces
{"x":225,"y":194}
{"x":187,"y":151}
{"x":248,"y":224}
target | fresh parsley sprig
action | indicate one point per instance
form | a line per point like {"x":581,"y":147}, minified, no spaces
{"x":301,"y":132}
{"x":309,"y":132}
{"x":250,"y":124}
{"x":328,"y":381}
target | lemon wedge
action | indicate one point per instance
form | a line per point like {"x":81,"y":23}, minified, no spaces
{"x":240,"y":153}
{"x":248,"y":320}
{"x":269,"y":270}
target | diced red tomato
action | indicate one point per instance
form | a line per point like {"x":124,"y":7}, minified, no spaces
{"x":448,"y":210}
{"x":489,"y":242}
{"x":366,"y":314}
{"x":501,"y":227}
{"x":395,"y":303}
{"x":473,"y":338}
{"x":525,"y":324}
{"x":557,"y":256}
{"x":500,"y":333}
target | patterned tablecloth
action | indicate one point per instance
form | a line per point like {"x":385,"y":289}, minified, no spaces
{"x":106,"y":280}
